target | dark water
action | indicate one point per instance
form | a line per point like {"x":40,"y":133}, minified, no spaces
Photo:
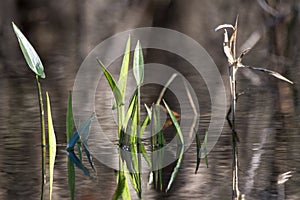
{"x":269,"y":146}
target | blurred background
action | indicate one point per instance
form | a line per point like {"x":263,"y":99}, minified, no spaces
{"x":64,"y":32}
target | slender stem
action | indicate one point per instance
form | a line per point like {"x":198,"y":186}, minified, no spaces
{"x":43,"y":135}
{"x":120,"y":121}
{"x":236,"y":192}
{"x":139,"y":136}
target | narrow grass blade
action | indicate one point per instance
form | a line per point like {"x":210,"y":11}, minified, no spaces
{"x":71,"y":178}
{"x":175,"y":171}
{"x":233,"y":39}
{"x":135,"y":176}
{"x":157,"y":143}
{"x":69,"y":119}
{"x":201,"y":149}
{"x":165,"y":88}
{"x":131,"y":159}
{"x":124,"y":70}
{"x":145,"y":155}
{"x":134,"y":161}
{"x":272,"y":73}
{"x":146,"y":121}
{"x":138,"y":64}
{"x":175,"y":122}
{"x":179,"y":133}
{"x":154,"y":157}
{"x":52,"y":146}
{"x":161,"y":144}
{"x":144,"y":125}
{"x":149,"y":112}
{"x":113,"y":85}
{"x":30,"y":55}
{"x":134,"y":124}
{"x":69,"y":132}
{"x":130,"y":110}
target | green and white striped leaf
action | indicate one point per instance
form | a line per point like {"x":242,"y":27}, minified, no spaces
{"x":32,"y":58}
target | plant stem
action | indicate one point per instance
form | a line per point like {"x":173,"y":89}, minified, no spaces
{"x":43,"y":135}
{"x":235,"y":186}
{"x":138,"y":134}
{"x":120,"y":121}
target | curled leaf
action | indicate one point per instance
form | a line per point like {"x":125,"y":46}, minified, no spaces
{"x":224,"y":26}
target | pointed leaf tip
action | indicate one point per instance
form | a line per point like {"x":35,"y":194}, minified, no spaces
{"x":270,"y":72}
{"x":138,"y":64}
{"x":30,"y":55}
{"x":52,"y":146}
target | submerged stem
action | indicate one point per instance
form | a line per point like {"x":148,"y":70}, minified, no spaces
{"x":43,"y":135}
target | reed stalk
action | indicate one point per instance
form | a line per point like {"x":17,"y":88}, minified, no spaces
{"x":43,"y":136}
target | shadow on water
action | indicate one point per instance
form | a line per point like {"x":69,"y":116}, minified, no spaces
{"x":268,"y":147}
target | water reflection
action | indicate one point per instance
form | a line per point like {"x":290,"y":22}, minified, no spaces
{"x":269,"y":146}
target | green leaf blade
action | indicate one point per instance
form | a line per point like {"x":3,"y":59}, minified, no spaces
{"x":52,"y":146}
{"x":30,"y":55}
{"x":138,"y":64}
{"x":122,"y":188}
{"x":179,"y":133}
{"x":175,"y":122}
{"x":130,"y":109}
{"x":113,"y":85}
{"x":124,"y":70}
{"x":69,"y":119}
{"x":175,"y":171}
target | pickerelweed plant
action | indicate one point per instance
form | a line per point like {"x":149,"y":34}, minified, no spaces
{"x":235,"y":63}
{"x":35,"y":64}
